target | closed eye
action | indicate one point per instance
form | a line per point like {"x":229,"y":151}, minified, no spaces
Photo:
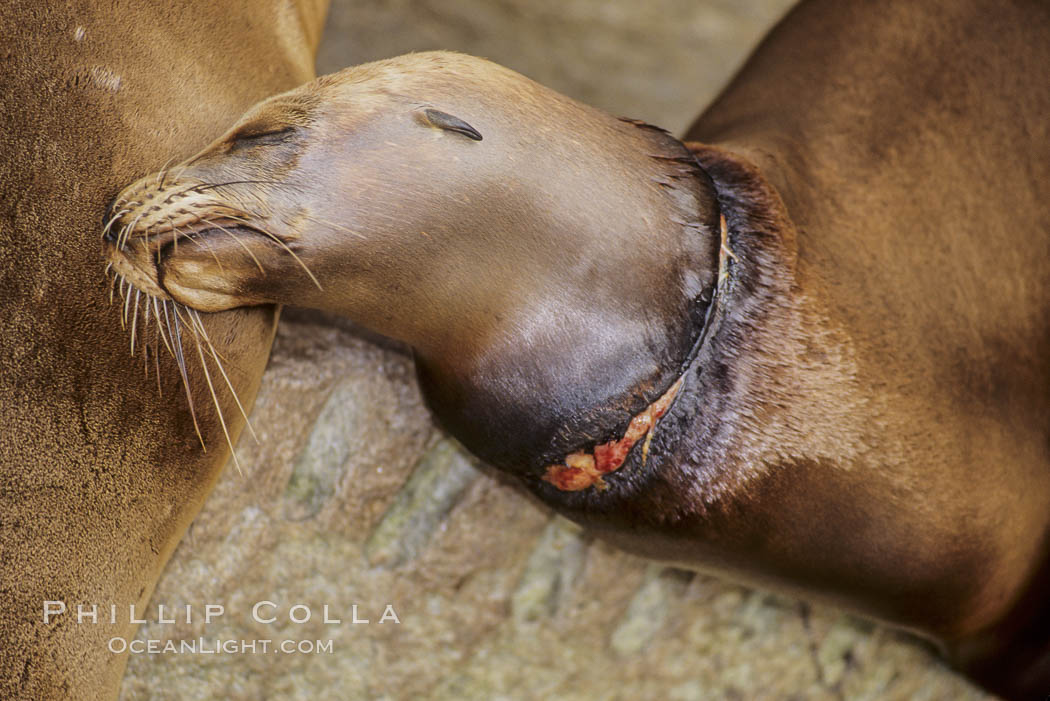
{"x":262,"y":137}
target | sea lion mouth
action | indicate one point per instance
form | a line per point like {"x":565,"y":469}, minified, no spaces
{"x":134,"y":267}
{"x":151,"y":218}
{"x":139,"y":256}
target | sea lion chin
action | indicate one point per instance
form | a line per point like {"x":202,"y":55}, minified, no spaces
{"x":722,"y":353}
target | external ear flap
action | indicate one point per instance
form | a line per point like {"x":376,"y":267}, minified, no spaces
{"x":443,"y":120}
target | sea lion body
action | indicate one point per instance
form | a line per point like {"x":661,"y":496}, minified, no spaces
{"x":863,"y":349}
{"x":916,"y":180}
{"x":100,"y":475}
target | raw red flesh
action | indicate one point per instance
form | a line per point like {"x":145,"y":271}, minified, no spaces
{"x":582,"y":470}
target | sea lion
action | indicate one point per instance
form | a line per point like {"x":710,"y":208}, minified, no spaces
{"x":100,"y":475}
{"x":806,"y":348}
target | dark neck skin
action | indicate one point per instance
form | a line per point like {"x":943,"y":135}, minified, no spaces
{"x":547,"y":379}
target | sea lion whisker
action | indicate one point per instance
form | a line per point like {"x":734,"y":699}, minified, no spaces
{"x":128,"y":230}
{"x":211,"y":250}
{"x":200,"y":187}
{"x":175,"y":238}
{"x":215,"y":401}
{"x":160,"y":328}
{"x":358,"y":234}
{"x":177,"y":309}
{"x":255,"y":227}
{"x":180,"y":193}
{"x":162,"y":173}
{"x":260,"y":203}
{"x":211,"y":186}
{"x":195,"y":315}
{"x":125,"y":231}
{"x":232,"y":212}
{"x":127,"y":304}
{"x":135,"y":319}
{"x":112,"y":220}
{"x":127,"y":301}
{"x":178,"y":176}
{"x":187,"y":323}
{"x":242,"y":245}
{"x":176,"y":231}
{"x":176,"y":339}
{"x":124,"y":299}
{"x":145,"y":321}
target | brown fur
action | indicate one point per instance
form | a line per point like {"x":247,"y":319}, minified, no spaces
{"x":99,"y":476}
{"x":866,"y":420}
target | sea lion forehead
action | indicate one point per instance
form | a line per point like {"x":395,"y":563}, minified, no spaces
{"x":488,"y":97}
{"x":421,"y":69}
{"x":423,"y":77}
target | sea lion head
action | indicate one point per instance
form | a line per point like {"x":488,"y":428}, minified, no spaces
{"x":524,"y":244}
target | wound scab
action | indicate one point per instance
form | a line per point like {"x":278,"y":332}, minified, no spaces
{"x":582,"y":469}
